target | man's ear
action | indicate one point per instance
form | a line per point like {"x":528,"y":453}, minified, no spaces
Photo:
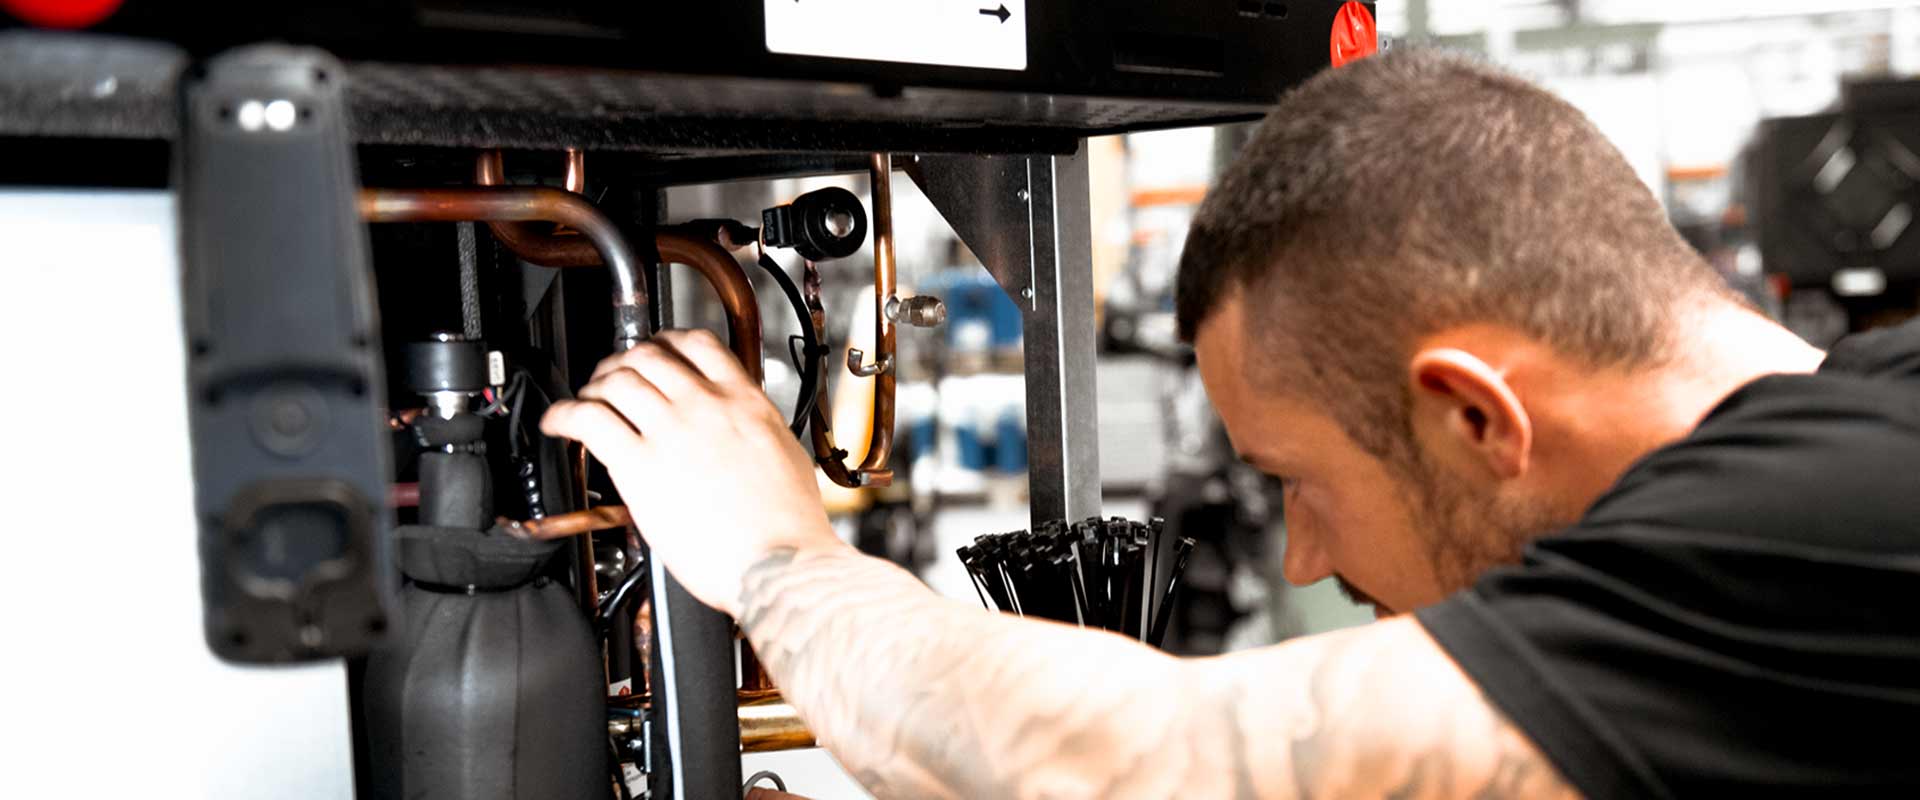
{"x":1467,"y":404}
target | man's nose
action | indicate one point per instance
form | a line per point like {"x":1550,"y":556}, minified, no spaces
{"x":1305,"y":559}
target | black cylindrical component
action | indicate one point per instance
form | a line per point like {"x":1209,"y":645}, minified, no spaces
{"x":493,"y":692}
{"x":820,"y":225}
{"x":455,"y":490}
{"x":456,"y":485}
{"x":447,"y":364}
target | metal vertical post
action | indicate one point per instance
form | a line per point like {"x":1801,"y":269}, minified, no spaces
{"x":1063,"y":442}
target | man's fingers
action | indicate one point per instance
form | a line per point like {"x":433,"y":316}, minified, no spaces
{"x":705,"y":351}
{"x":662,"y":366}
{"x":635,"y":397}
{"x":594,"y":424}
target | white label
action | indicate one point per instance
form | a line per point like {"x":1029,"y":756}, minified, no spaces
{"x":957,"y":33}
{"x":496,"y":368}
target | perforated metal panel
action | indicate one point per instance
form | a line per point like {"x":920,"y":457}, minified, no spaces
{"x":85,"y":86}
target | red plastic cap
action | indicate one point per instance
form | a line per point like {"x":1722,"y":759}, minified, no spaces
{"x":1355,"y":36}
{"x":61,"y":13}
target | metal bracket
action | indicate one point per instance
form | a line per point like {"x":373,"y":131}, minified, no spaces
{"x":1027,"y":218}
{"x":988,"y":201}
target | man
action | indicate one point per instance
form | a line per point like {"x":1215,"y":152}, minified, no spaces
{"x":1646,"y":553}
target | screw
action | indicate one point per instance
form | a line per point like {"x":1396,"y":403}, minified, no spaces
{"x":1024,"y":195}
{"x":1027,"y":293}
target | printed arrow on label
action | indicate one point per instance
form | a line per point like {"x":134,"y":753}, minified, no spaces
{"x":897,"y":31}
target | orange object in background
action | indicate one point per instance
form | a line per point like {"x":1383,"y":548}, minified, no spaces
{"x":1355,"y":35}
{"x":61,"y":13}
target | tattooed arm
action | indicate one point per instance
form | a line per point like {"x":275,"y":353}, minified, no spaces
{"x":920,"y":696}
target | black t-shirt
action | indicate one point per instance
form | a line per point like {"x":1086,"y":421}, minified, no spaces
{"x":1740,"y":615}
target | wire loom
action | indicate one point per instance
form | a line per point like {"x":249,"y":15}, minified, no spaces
{"x":1114,"y":574}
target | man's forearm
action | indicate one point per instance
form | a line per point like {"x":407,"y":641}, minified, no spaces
{"x":919,"y":696}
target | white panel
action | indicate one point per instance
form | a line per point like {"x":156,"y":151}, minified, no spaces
{"x":959,"y":33}
{"x":109,"y":687}
{"x":811,"y":773}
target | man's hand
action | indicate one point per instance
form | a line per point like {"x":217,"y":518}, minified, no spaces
{"x":708,"y":469}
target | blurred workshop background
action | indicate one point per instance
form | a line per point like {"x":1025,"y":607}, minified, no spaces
{"x":1783,"y":137}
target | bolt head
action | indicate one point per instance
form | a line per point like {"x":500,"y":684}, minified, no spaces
{"x":1027,"y":293}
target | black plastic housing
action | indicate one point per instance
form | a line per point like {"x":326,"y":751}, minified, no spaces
{"x":291,"y":460}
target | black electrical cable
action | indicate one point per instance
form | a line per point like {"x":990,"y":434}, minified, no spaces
{"x":1183,"y":549}
{"x":603,"y":617}
{"x":811,"y":347}
{"x":765,"y":774}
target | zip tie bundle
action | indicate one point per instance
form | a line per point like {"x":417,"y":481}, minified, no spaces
{"x":1113,"y":574}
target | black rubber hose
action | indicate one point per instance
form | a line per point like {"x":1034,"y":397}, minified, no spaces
{"x":609,"y":607}
{"x":810,"y":365}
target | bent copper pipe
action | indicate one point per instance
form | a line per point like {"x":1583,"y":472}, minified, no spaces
{"x":829,"y":456}
{"x":526,"y":241}
{"x":730,"y":282}
{"x":561,"y":526}
{"x":714,"y":264}
{"x":873,"y":470}
{"x":501,"y":204}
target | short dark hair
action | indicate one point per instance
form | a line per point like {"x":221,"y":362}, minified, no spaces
{"x":1422,"y":189}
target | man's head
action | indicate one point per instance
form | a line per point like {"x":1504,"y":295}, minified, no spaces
{"x":1391,"y":290}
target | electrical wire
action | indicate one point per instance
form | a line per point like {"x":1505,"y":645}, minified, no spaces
{"x":766,"y":774}
{"x":813,"y":352}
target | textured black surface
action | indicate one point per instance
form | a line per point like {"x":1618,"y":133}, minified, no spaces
{"x":493,"y":695}
{"x":103,"y":87}
{"x":678,"y":78}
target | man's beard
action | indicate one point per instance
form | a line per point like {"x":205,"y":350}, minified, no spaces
{"x":1469,"y":531}
{"x":1466,"y":532}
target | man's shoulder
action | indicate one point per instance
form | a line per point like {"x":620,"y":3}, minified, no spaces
{"x":1892,"y":352}
{"x":1823,"y":458}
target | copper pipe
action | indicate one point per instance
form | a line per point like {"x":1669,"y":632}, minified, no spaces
{"x":527,"y":241}
{"x":576,"y":180}
{"x":714,"y":264}
{"x":829,"y":456}
{"x":403,"y":495}
{"x":873,"y":470}
{"x":768,"y":726}
{"x":765,"y":726}
{"x":490,"y":204}
{"x":560,"y":526}
{"x":880,"y":445}
{"x":730,"y":282}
